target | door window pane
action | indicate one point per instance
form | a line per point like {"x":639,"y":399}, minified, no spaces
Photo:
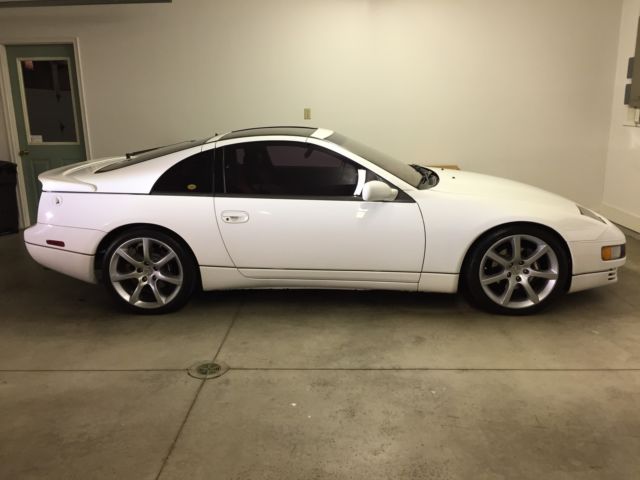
{"x":49,"y":101}
{"x":288,"y":169}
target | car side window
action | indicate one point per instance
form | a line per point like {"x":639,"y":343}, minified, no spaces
{"x":193,"y":175}
{"x":288,"y":169}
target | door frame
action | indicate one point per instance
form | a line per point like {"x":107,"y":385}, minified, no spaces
{"x":9,"y":112}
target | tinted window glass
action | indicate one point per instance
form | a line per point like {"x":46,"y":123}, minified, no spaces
{"x":192,"y":175}
{"x":287,"y":168}
{"x":391,"y":165}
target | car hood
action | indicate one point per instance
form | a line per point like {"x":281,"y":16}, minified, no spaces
{"x":487,"y":187}
{"x":466,"y":201}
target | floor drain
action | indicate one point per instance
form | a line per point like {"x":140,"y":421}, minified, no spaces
{"x":206,"y":370}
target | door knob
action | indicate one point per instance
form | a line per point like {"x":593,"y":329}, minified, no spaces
{"x":23,"y":153}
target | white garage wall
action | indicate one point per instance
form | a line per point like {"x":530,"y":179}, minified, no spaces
{"x":621,"y":200}
{"x":516,"y":88}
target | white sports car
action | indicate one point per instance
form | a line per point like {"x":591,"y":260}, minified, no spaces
{"x":294,"y":207}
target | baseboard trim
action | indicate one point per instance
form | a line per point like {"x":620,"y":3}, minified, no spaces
{"x":622,"y":217}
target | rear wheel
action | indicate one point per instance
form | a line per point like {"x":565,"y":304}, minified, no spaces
{"x":148,"y":271}
{"x":517,"y":270}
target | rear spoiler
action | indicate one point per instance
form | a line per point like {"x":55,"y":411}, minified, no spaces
{"x":56,"y":184}
{"x":69,"y":178}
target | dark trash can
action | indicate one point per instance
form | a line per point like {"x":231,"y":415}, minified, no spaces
{"x":8,"y":198}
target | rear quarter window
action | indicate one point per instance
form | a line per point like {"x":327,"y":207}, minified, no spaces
{"x":191,"y":176}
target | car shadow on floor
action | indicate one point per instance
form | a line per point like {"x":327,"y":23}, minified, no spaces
{"x":427,"y":304}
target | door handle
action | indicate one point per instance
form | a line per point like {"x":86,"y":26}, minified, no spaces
{"x":23,"y":153}
{"x":234,"y":216}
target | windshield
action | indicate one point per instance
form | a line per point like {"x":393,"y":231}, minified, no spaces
{"x":150,"y":153}
{"x":395,"y":167}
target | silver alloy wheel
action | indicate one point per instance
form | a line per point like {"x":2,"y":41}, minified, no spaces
{"x":519,"y":271}
{"x":146,"y":272}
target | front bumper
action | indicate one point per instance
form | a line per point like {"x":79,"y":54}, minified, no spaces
{"x":75,"y":259}
{"x":587,"y":256}
{"x":586,"y":281}
{"x":589,"y":269}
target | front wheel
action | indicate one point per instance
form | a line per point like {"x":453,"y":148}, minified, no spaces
{"x":149,"y":271}
{"x":517,"y":270}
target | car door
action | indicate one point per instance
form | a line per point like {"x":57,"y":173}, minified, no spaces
{"x":289,"y":209}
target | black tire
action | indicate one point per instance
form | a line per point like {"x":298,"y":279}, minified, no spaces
{"x":500,"y":281}
{"x":143,"y":283}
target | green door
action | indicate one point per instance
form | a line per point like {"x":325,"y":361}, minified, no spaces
{"x":44,"y":88}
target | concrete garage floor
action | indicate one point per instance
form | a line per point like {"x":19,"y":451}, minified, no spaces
{"x":370,"y":385}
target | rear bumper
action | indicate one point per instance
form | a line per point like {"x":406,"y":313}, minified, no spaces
{"x":76,"y":265}
{"x":75,"y":259}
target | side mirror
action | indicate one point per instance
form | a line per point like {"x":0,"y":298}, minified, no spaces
{"x":376,"y":191}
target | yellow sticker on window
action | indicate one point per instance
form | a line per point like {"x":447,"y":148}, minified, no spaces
{"x":192,"y":186}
